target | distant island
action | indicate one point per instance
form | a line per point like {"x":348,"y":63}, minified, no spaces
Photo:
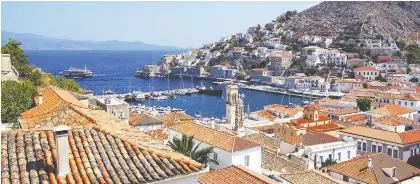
{"x":37,"y":42}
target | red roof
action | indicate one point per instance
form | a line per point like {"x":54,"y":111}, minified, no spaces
{"x":322,"y":128}
{"x":366,"y":68}
{"x":301,"y":121}
{"x":410,"y":137}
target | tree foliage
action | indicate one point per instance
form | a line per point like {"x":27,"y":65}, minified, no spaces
{"x":328,"y":162}
{"x":20,"y":62}
{"x":67,"y":84}
{"x":401,"y":45}
{"x":16,"y":97}
{"x":380,"y":78}
{"x":413,"y":54}
{"x":364,"y":104}
{"x":187,"y":146}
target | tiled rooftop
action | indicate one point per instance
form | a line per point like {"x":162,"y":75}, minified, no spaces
{"x":312,"y":139}
{"x":96,"y":156}
{"x":365,"y":68}
{"x":395,"y":120}
{"x":175,"y":117}
{"x":265,"y":114}
{"x":322,"y":128}
{"x":66,"y":116}
{"x":273,"y":162}
{"x":233,"y":175}
{"x":309,"y":177}
{"x":265,"y":141}
{"x":225,"y":141}
{"x":392,"y":110}
{"x":301,"y":121}
{"x":373,"y":133}
{"x":52,"y":100}
{"x":357,"y":168}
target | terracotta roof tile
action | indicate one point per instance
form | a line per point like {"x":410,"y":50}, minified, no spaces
{"x":389,"y":109}
{"x":373,"y":133}
{"x":395,"y":120}
{"x":322,"y":128}
{"x":52,"y":100}
{"x":307,"y":177}
{"x":233,"y":175}
{"x":213,"y":137}
{"x":265,"y":114}
{"x":95,"y":156}
{"x":66,"y":116}
{"x":410,"y":137}
{"x":158,"y":135}
{"x":358,"y":169}
{"x":312,"y":139}
{"x":366,"y":68}
{"x":301,"y":121}
{"x":175,"y":117}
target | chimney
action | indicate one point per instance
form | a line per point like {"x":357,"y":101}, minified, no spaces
{"x":40,"y":99}
{"x":62,"y":142}
{"x":212,"y":123}
{"x":370,"y":163}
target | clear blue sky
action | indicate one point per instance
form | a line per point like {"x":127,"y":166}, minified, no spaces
{"x":183,"y":24}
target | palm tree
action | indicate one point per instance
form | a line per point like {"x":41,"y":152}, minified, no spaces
{"x":187,"y":148}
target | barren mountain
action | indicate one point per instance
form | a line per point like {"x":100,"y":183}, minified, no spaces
{"x":359,"y":19}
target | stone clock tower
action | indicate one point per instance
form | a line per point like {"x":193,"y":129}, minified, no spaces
{"x":234,"y":107}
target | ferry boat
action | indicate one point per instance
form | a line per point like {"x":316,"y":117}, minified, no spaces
{"x":77,"y":73}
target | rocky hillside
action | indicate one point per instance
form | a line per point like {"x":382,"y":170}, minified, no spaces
{"x":359,"y":19}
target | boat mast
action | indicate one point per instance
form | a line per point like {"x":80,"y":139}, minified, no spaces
{"x":192,"y":81}
{"x":168,"y":83}
{"x":182,"y":81}
{"x":129,"y":85}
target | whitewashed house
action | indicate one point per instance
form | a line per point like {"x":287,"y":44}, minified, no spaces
{"x":368,"y":73}
{"x":229,"y":149}
{"x":313,"y":60}
{"x":344,"y":85}
{"x":411,"y":101}
{"x":145,"y":122}
{"x":319,"y":147}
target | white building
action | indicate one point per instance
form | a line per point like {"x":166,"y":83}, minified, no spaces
{"x":145,"y":122}
{"x":394,"y":110}
{"x":8,"y":72}
{"x":368,"y":73}
{"x":411,"y":101}
{"x":313,"y":82}
{"x":319,"y":147}
{"x":374,"y":168}
{"x":388,"y":67}
{"x":313,"y":60}
{"x":293,"y":81}
{"x":395,"y":123}
{"x":219,"y":71}
{"x":229,"y":149}
{"x":344,"y":85}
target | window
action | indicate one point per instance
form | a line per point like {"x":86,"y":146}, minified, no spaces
{"x":395,"y":155}
{"x":389,"y":151}
{"x":330,"y":156}
{"x":321,"y":158}
{"x":405,"y":103}
{"x":246,"y":160}
{"x":359,"y":145}
{"x":413,"y":152}
{"x":364,"y":145}
{"x":215,"y":156}
{"x":373,"y":147}
{"x":339,"y":156}
{"x":379,"y":148}
{"x":399,"y":102}
{"x":412,"y":104}
{"x":345,"y":178}
{"x":348,"y":155}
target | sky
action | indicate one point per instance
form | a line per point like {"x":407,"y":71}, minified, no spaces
{"x":181,"y":24}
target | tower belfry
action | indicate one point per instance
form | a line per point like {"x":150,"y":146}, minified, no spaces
{"x":234,"y":107}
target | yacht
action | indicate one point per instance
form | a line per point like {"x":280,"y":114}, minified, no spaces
{"x":140,"y":97}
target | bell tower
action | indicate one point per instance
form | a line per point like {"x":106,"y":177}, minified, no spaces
{"x":234,"y":107}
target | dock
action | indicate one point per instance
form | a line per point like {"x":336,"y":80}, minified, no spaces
{"x":313,"y":97}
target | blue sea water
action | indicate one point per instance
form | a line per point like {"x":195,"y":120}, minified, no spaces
{"x":113,"y":70}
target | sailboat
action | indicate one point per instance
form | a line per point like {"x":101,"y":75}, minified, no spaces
{"x":129,"y":97}
{"x":108,"y":91}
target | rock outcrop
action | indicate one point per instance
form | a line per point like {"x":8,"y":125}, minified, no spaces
{"x":358,"y":20}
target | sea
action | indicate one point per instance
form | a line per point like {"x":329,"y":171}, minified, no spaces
{"x":114,"y":70}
